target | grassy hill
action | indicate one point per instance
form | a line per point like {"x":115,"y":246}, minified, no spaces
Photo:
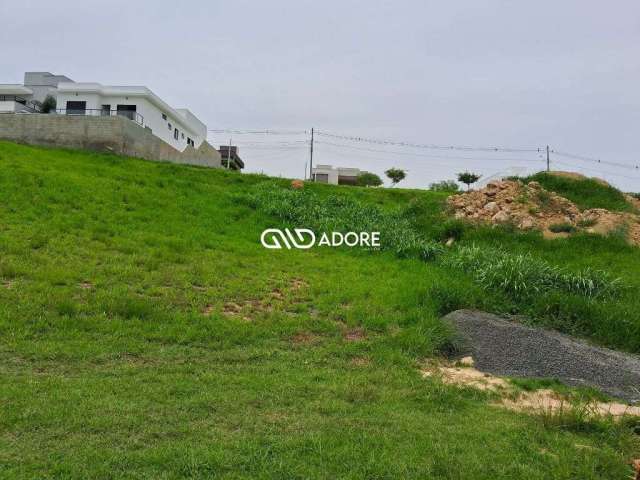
{"x":146,"y":333}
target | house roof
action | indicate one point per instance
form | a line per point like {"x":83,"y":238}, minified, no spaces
{"x":14,"y":89}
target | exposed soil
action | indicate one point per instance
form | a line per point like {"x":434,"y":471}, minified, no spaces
{"x":501,"y":347}
{"x":545,"y":400}
{"x":532,"y":207}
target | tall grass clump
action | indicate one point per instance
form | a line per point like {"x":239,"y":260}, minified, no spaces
{"x":525,"y":275}
{"x":334,"y":213}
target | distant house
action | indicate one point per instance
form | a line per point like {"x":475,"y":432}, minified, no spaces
{"x":28,"y":98}
{"x":176,"y":126}
{"x":335,"y":175}
{"x":231,"y":158}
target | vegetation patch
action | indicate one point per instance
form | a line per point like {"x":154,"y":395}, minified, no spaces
{"x":586,"y":193}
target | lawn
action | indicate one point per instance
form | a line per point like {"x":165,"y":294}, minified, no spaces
{"x":146,"y":333}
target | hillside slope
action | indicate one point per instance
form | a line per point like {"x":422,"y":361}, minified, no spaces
{"x":146,"y":333}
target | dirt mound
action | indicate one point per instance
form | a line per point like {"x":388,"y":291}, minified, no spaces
{"x":529,"y":206}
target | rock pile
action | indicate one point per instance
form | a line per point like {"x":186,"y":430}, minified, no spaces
{"x":529,"y":206}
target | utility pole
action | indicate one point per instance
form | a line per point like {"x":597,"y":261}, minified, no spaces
{"x":229,"y":154}
{"x":311,"y":159}
{"x":548,"y":166}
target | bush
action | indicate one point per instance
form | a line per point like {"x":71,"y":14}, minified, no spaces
{"x":587,"y":222}
{"x":49,"y":104}
{"x":564,"y":227}
{"x":368,"y":179}
{"x":444,"y":186}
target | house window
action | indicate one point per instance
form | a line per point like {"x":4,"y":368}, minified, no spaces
{"x":175,"y":133}
{"x":169,"y":125}
{"x":183,"y":135}
{"x":76,"y":108}
{"x":189,"y":141}
{"x":164,"y":116}
{"x":128,"y":111}
{"x":106,"y":110}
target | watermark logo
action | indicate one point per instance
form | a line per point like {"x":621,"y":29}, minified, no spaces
{"x":303,"y":238}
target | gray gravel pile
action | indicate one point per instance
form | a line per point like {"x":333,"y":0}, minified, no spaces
{"x":501,"y":347}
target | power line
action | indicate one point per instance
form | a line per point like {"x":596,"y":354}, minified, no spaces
{"x":441,"y":157}
{"x":595,"y":160}
{"x":429,"y":146}
{"x":260,"y":132}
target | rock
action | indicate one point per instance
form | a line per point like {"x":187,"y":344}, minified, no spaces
{"x":459,"y":215}
{"x":501,"y":217}
{"x":534,"y":185}
{"x":450,"y":242}
{"x":526,"y":223}
{"x":492,"y":207}
{"x":466,"y":361}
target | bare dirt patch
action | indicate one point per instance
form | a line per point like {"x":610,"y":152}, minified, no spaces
{"x":543,"y":400}
{"x":276,"y":298}
{"x":7,"y":284}
{"x":304,"y":338}
{"x":354,"y":334}
{"x":85,"y":285}
{"x":360,"y":361}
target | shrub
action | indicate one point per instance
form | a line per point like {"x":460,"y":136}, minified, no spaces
{"x":368,"y":179}
{"x":48,"y":105}
{"x":564,"y":227}
{"x":444,"y":186}
{"x":587,"y":222}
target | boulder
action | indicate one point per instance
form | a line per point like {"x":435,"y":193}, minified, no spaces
{"x":501,"y":217}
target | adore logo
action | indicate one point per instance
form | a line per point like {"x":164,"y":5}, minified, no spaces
{"x":303,"y":238}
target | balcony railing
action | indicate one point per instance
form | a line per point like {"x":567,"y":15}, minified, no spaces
{"x":21,"y":100}
{"x":98,"y":112}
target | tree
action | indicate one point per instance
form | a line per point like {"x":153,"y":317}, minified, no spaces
{"x":48,"y":104}
{"x":368,"y":179}
{"x":444,"y":186}
{"x":396,"y":175}
{"x":468,"y":178}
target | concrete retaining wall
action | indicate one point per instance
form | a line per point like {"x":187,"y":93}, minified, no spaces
{"x":103,"y":134}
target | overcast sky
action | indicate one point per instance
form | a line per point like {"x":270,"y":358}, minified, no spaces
{"x":505,"y":73}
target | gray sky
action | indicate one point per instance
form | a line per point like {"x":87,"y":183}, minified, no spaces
{"x":518,"y":74}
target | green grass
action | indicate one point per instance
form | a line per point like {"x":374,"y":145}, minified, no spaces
{"x":585,"y":193}
{"x":121,"y":357}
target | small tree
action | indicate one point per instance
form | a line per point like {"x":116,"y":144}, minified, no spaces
{"x":444,"y":186}
{"x":468,"y":178}
{"x":368,"y":179}
{"x":48,"y":104}
{"x":396,"y":175}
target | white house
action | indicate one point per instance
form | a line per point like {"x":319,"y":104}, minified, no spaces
{"x":335,"y":175}
{"x":176,"y":126}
